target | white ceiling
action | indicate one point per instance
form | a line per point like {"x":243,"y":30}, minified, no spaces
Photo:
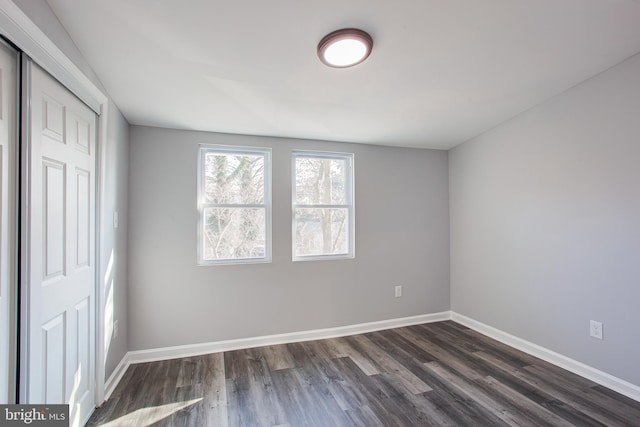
{"x":441,"y":71}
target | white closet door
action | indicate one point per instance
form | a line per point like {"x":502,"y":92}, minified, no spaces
{"x":61,"y":250}
{"x":8,"y":179}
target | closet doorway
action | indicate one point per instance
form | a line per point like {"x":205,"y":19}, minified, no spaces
{"x":58,"y":211}
{"x":47,"y":240}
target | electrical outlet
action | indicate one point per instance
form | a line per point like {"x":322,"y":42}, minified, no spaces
{"x":595,"y":329}
{"x":398,"y":291}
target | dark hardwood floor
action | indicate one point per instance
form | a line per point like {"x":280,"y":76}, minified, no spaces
{"x":427,"y":375}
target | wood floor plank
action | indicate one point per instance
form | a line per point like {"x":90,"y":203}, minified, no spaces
{"x":343,"y":348}
{"x":531,"y":390}
{"x":299,"y":404}
{"x":189,"y":371}
{"x":598,"y":406}
{"x":489,"y":345}
{"x":454,"y":339}
{"x":471,"y":391}
{"x":235,"y":364}
{"x":262,"y":389}
{"x":389,"y":364}
{"x":278,"y":357}
{"x":424,"y":341}
{"x":420,"y":410}
{"x":214,"y":386}
{"x":407,"y":346}
{"x":364,"y":417}
{"x":617,"y":396}
{"x":539,"y":415}
{"x":569,"y":397}
{"x":466,"y":411}
{"x":437,"y":374}
{"x":240,"y":410}
{"x":372,"y":393}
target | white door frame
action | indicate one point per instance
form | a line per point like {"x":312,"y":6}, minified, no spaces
{"x":20,"y":30}
{"x":10,"y":211}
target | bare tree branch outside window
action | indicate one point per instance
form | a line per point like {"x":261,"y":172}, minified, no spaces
{"x":233,"y":209}
{"x":322,"y":204}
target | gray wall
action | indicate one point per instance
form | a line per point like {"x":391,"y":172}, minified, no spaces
{"x":113,"y":242}
{"x":402,"y":238}
{"x":114,"y":187}
{"x":545,"y":223}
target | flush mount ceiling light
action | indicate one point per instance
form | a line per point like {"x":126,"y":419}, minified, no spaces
{"x":345,"y":48}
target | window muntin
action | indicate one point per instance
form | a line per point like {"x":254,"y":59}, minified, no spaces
{"x":322,"y":206}
{"x":234,"y":201}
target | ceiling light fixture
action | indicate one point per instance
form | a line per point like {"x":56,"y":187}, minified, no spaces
{"x":345,"y":48}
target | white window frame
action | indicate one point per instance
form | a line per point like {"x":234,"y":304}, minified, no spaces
{"x":350,"y":206}
{"x":204,"y":149}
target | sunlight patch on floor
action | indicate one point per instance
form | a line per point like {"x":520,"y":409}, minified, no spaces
{"x":147,"y":416}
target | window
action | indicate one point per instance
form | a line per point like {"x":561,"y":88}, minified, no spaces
{"x":234,"y":201}
{"x":322,"y":206}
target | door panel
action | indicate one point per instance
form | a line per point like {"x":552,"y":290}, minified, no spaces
{"x":54,"y":218}
{"x":8,"y":179}
{"x":53,"y":346}
{"x":83,"y":222}
{"x":61,"y":250}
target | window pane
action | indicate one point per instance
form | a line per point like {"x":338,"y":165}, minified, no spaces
{"x":233,"y":178}
{"x":321,"y":231}
{"x":320,"y":181}
{"x":234,"y":233}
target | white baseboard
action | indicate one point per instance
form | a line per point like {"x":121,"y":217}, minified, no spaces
{"x":166,"y":353}
{"x":619,"y":385}
{"x":115,"y":377}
